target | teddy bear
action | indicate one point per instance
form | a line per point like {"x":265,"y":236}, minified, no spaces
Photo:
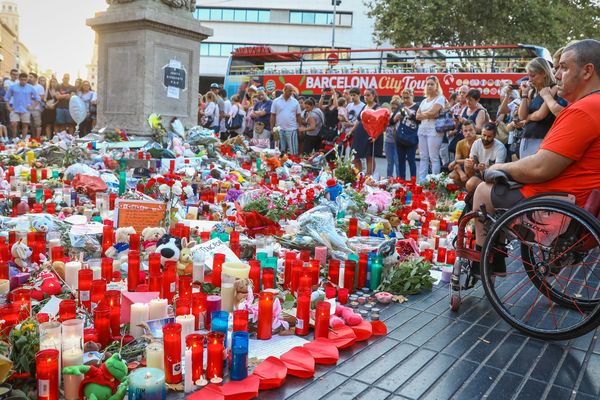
{"x":241,"y":287}
{"x":120,"y":249}
{"x":169,"y":247}
{"x":43,"y":223}
{"x":150,"y":237}
{"x":21,"y":253}
{"x":333,"y":190}
{"x":394,"y":220}
{"x":184,"y":264}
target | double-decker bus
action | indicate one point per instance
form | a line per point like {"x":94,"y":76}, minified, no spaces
{"x":388,"y":70}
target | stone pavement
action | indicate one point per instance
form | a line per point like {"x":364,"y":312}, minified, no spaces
{"x":431,"y":352}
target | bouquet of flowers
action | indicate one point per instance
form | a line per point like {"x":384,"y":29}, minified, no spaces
{"x":444,"y":188}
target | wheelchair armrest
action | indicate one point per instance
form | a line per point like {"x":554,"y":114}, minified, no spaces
{"x":499,"y":177}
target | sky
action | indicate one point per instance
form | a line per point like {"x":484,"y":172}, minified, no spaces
{"x":55,"y":31}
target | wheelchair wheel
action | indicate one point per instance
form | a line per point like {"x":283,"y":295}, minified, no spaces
{"x":551,"y":286}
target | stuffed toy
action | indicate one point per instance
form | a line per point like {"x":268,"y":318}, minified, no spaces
{"x":242,"y":288}
{"x":382,"y":229}
{"x":169,"y":248}
{"x":378,"y":201}
{"x":109,"y":382}
{"x":184,"y":264}
{"x":21,"y":253}
{"x":394,"y":221}
{"x":333,"y":190}
{"x":150,"y":237}
{"x":50,"y":285}
{"x":65,"y":212}
{"x":120,"y":249}
{"x":344,"y":316}
{"x":43,"y":223}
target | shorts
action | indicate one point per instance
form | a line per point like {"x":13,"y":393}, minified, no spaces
{"x":20,"y":117}
{"x":63,"y":116}
{"x":504,"y":197}
{"x":36,"y":118}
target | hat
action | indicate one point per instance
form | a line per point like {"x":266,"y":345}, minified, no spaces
{"x":214,"y":86}
{"x":331,"y":183}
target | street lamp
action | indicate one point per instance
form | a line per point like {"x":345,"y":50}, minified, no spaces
{"x":334,"y":3}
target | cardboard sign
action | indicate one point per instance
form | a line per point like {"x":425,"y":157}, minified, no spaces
{"x":139,"y":213}
{"x":215,"y":246}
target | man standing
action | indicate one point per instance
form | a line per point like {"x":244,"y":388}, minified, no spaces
{"x":22,"y":99}
{"x":261,"y":111}
{"x":285,"y":113}
{"x":14,"y":79}
{"x":36,"y":115}
{"x":63,"y":117}
{"x":216,"y":89}
{"x":485,"y":152}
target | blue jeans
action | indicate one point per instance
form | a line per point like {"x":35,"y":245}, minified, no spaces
{"x":288,"y":142}
{"x":406,"y":153}
{"x":392,"y":158}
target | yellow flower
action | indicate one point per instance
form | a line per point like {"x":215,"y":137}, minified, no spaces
{"x":27,"y":327}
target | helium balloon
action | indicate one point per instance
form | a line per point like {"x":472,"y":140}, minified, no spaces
{"x":77,"y":109}
{"x":375,"y":121}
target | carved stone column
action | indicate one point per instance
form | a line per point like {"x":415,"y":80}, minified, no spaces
{"x":148,"y":61}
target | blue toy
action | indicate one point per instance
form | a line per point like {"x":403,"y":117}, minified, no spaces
{"x":333,"y":190}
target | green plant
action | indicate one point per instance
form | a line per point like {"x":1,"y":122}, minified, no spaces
{"x":409,"y":277}
{"x":344,"y":169}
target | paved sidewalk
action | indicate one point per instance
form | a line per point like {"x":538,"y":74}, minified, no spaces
{"x":431,"y":352}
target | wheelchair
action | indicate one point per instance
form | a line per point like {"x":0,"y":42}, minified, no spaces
{"x":550,"y":288}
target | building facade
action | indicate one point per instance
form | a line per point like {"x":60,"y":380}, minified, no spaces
{"x":13,"y":53}
{"x":293,"y":25}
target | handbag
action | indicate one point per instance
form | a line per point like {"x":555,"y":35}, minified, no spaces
{"x":405,"y":137}
{"x":207,"y":121}
{"x":235,"y":123}
{"x":444,"y":122}
{"x":328,"y":133}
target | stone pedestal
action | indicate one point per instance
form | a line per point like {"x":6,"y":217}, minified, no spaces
{"x":148,"y":61}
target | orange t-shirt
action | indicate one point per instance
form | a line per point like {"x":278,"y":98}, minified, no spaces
{"x":576,"y":135}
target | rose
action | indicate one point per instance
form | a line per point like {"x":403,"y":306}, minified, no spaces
{"x":163,"y":189}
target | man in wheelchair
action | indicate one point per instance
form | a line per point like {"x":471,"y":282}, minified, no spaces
{"x":568,"y":160}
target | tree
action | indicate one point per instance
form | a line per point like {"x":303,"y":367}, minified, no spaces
{"x":548,"y":23}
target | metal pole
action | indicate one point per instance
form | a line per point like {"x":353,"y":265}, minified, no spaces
{"x":334,"y":22}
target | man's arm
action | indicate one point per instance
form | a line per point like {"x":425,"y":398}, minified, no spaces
{"x":272,"y":120}
{"x":540,"y":167}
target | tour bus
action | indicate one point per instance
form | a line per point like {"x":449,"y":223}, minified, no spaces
{"x":387,"y":70}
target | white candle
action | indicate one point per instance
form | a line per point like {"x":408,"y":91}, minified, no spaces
{"x":227,"y":296}
{"x":72,"y":356}
{"x":71,"y":274}
{"x":139,"y":314}
{"x":4,"y":286}
{"x":157,"y":309}
{"x":53,"y":243}
{"x":155,"y":356}
{"x":198,"y":267}
{"x":188,"y":382}
{"x":188,"y":325}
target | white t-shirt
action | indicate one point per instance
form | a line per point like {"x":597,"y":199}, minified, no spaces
{"x":427,"y":126}
{"x":39,"y":89}
{"x":285,"y":113}
{"x":227,"y":105}
{"x":495,"y":153}
{"x":233,"y":111}
{"x":354,"y":111}
{"x":212,"y":110}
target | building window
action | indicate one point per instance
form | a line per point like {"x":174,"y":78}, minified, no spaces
{"x":220,"y":49}
{"x":232,"y":14}
{"x":295,"y":17}
{"x":320,"y":18}
{"x":308,"y":18}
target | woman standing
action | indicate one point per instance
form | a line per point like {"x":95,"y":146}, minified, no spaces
{"x":330,"y":111}
{"x":407,"y":138}
{"x":429,"y":140}
{"x":474,"y":111}
{"x":314,"y":122}
{"x":210,"y":115}
{"x":533,"y":110}
{"x":49,"y":113}
{"x":236,"y":110}
{"x":389,"y":141}
{"x":363,"y":144}
{"x":89,"y":98}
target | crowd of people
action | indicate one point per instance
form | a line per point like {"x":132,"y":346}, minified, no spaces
{"x":35,"y":107}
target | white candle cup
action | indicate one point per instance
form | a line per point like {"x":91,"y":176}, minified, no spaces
{"x":236,"y":270}
{"x":72,"y":333}
{"x":157,"y":309}
{"x":155,"y":356}
{"x":188,"y":325}
{"x":72,"y":274}
{"x":227,"y":293}
{"x":139,"y":313}
{"x":50,"y":335}
{"x":71,"y":357}
{"x":188,"y":381}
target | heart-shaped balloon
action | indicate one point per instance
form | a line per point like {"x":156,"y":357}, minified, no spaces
{"x":375,"y":121}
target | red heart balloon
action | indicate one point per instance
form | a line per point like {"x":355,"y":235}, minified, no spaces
{"x":323,"y":351}
{"x":272,"y":373}
{"x":363,"y":331}
{"x":299,"y":362}
{"x":375,"y":121}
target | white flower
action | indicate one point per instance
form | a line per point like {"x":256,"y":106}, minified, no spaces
{"x":177,"y":190}
{"x":163,"y":189}
{"x":189,"y":191}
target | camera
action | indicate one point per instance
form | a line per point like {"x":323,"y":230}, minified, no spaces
{"x":514,"y":86}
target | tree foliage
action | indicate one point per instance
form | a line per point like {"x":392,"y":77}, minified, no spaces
{"x":548,"y":23}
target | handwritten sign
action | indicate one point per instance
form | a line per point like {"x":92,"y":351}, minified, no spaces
{"x":139,"y":213}
{"x":212,"y":247}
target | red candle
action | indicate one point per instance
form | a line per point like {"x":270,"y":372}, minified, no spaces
{"x":305,"y":255}
{"x":240,"y":320}
{"x":268,"y":278}
{"x":297,"y":267}
{"x":106,"y":268}
{"x":107,"y":238}
{"x":428,"y":254}
{"x":441,"y":255}
{"x":443,"y":225}
{"x":46,"y":374}
{"x":214,"y":359}
{"x":185,"y":287}
{"x":451,"y":257}
{"x":315,"y":270}
{"x":57,"y":253}
{"x":134,"y":242}
{"x":204,"y":236}
{"x":4,"y":269}
{"x":330,"y":292}
{"x":133,"y":270}
{"x":98,"y":292}
{"x":21,"y":297}
{"x":199,"y":308}
{"x":183,"y":306}
{"x":9,"y":317}
{"x":172,"y":350}
{"x":343,"y":295}
{"x":333,"y":273}
{"x":168,"y":283}
{"x":361,"y":279}
{"x":352,"y":227}
{"x":303,"y":312}
{"x":349,"y":272}
{"x":33,"y":175}
{"x":42,"y":317}
{"x":195,"y":342}
{"x":218,"y":261}
{"x":44,"y":174}
{"x":255,"y":274}
{"x":4,"y":250}
{"x":85,"y":287}
{"x":265,"y":316}
{"x":102,"y":324}
{"x":322,"y":319}
{"x":113,"y":301}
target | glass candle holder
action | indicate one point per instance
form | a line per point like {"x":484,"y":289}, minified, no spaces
{"x":169,"y":279}
{"x":217,"y":269}
{"x":195,"y":342}
{"x":213,"y":303}
{"x":67,"y":309}
{"x":9,"y":317}
{"x":185,"y":287}
{"x":333,"y":272}
{"x":227,"y":292}
{"x":133,"y":270}
{"x":46,"y":373}
{"x":50,"y":335}
{"x":21,"y":297}
{"x":315,"y":271}
{"x":343,"y":295}
{"x":98,"y":292}
{"x":240,"y":320}
{"x":106,"y":267}
{"x":268,"y":278}
{"x":199,"y":309}
{"x":265,"y":316}
{"x":147,"y":384}
{"x":102,"y":324}
{"x":349,"y":273}
{"x":441,"y":255}
{"x":172,"y":352}
{"x":239,"y":356}
{"x":220,"y":321}
{"x":113,"y":301}
{"x":322,"y":314}
{"x":255,"y":274}
{"x":85,"y":287}
{"x":297,"y":267}
{"x":214,"y":359}
{"x":72,"y":333}
{"x":303,"y":312}
{"x":330,"y":292}
{"x":155,"y":356}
